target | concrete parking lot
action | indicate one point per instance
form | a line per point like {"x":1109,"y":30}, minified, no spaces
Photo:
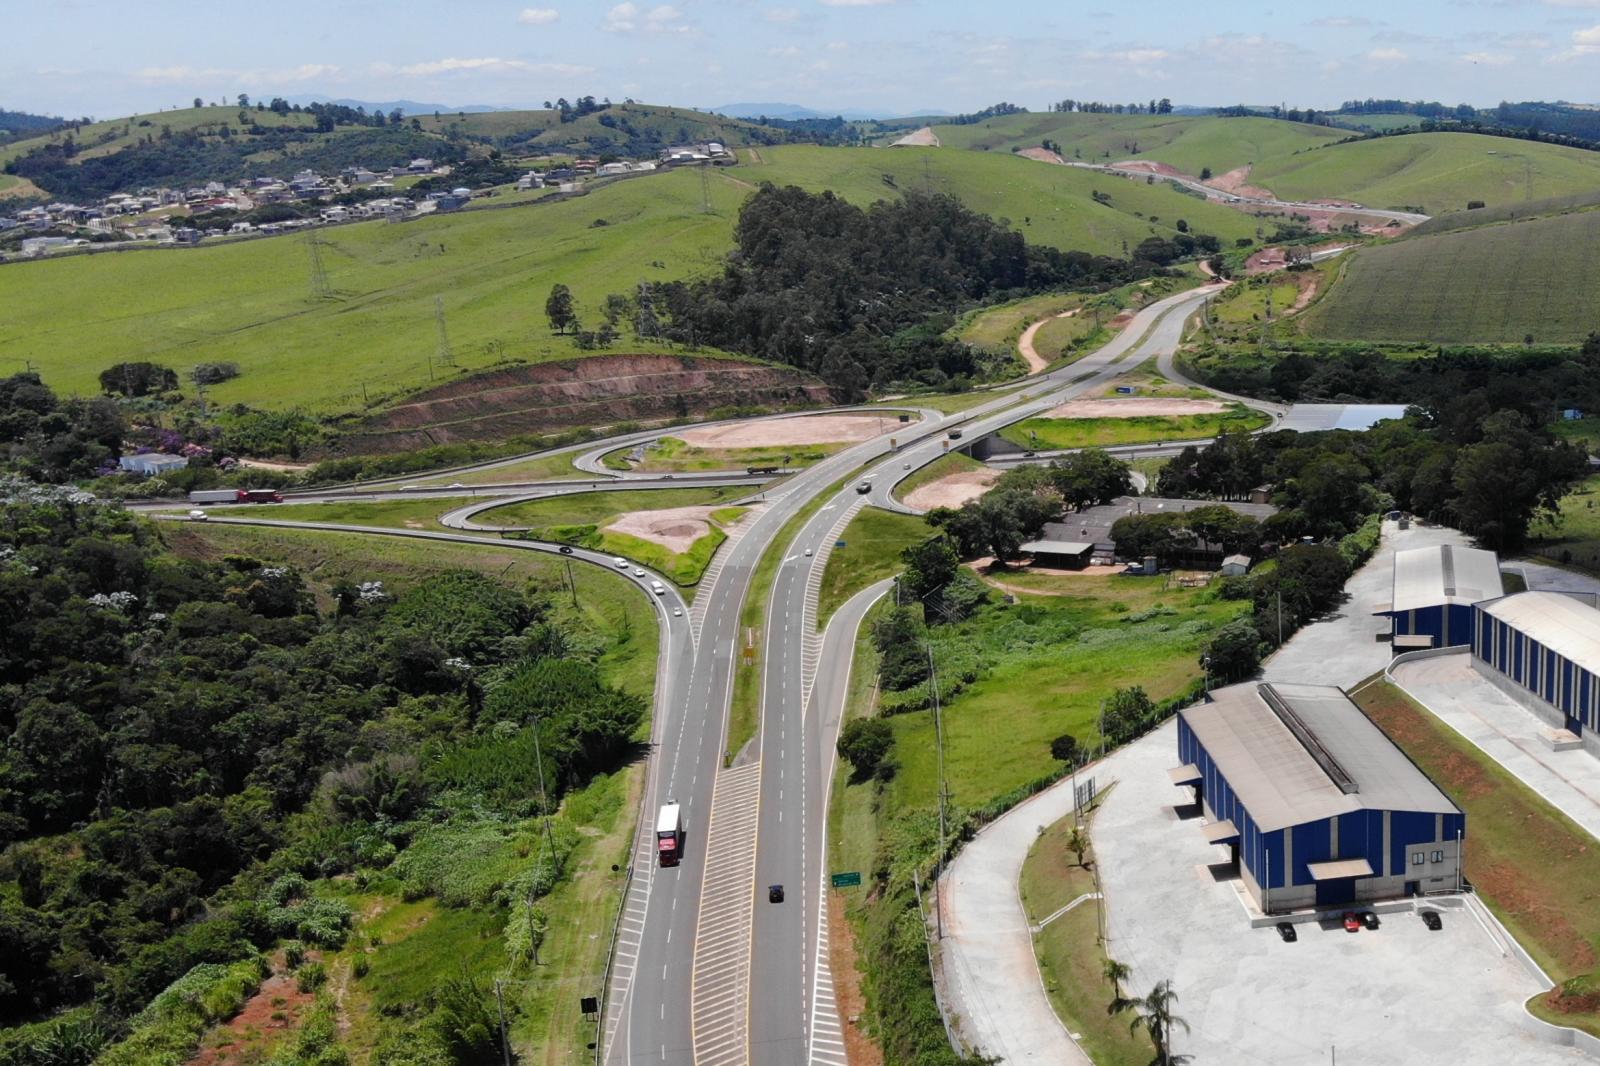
{"x":1400,"y":994}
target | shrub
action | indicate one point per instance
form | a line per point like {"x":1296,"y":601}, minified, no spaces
{"x":866,"y":743}
{"x":1067,"y":749}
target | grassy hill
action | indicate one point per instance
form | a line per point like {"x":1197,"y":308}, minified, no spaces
{"x":249,"y":302}
{"x":113,"y":135}
{"x":1489,"y":216}
{"x":1490,"y":284}
{"x":1048,"y":204}
{"x":1186,"y":142}
{"x":623,"y":125}
{"x":1436,"y":172}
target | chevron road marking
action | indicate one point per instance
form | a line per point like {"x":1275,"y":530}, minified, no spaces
{"x":720,"y":987}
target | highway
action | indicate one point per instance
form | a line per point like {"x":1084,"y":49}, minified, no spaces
{"x":705,"y":969}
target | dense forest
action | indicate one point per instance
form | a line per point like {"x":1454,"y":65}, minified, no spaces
{"x":862,"y":296}
{"x":188,"y":748}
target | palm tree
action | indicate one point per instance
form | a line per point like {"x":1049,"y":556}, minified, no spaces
{"x":1078,"y":842}
{"x":1116,"y":972}
{"x":1155,"y":1017}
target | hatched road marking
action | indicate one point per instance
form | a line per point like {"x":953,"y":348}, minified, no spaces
{"x":720,"y":988}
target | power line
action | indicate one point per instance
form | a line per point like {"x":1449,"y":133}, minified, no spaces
{"x":319,"y":273}
{"x":445,"y":356}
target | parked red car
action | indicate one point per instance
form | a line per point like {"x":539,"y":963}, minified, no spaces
{"x":1351,"y":922}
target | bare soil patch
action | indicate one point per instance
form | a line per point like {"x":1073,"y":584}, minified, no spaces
{"x":1043,"y":155}
{"x":1135,"y":407}
{"x":272,"y":1013}
{"x":784,"y":432}
{"x":952,"y":490}
{"x":923,"y":138}
{"x":675,"y":529}
{"x":1121,"y":320}
{"x":1150,"y":166}
{"x":1237,"y":181}
{"x":860,"y":1048}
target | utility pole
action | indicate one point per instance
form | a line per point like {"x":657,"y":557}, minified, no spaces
{"x":446,"y":356}
{"x":938,"y":733}
{"x":1280,"y":618}
{"x":505,"y":1041}
{"x":571,"y":584}
{"x":705,"y":188}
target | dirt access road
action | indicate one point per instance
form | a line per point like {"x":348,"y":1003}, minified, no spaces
{"x":1037,"y":363}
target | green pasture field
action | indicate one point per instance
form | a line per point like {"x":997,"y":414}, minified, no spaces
{"x":1187,"y":142}
{"x":1572,"y":536}
{"x":873,"y":542}
{"x":250,"y":302}
{"x":534,"y":468}
{"x":113,"y":135}
{"x":1494,"y":285}
{"x":376,"y":337}
{"x":948,"y":402}
{"x":1047,"y":434}
{"x":1047,"y":204}
{"x":1436,"y":172}
{"x":1508,"y":212}
{"x":997,"y":731}
{"x":422,"y":513}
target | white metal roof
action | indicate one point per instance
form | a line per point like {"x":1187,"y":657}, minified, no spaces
{"x":1339,"y":761}
{"x":1567,"y":626}
{"x":1444,"y":574}
{"x":1058,"y":547}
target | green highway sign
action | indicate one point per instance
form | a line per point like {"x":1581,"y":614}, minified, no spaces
{"x":847,"y":880}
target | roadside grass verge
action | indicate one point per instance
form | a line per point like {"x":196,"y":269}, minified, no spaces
{"x":947,"y":464}
{"x":948,"y":403}
{"x":744,"y":710}
{"x":873,"y":542}
{"x":674,"y":456}
{"x":1532,"y":865}
{"x":1070,"y":954}
{"x":600,"y":508}
{"x":534,"y":468}
{"x":1054,"y":433}
{"x":611,"y":609}
{"x":998,"y":328}
{"x":421,"y":513}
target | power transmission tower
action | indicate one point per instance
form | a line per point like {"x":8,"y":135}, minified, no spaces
{"x":445,"y":356}
{"x":319,"y":273}
{"x":705,"y":188}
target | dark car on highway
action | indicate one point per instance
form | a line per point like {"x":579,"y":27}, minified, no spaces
{"x":566,"y":549}
{"x":1286,"y":930}
{"x":775,"y":894}
{"x":1432,"y":920}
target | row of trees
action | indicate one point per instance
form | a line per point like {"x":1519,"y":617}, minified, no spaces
{"x":1162,"y":106}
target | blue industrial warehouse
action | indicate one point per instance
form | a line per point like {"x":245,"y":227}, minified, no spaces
{"x":1543,"y":648}
{"x":1434,"y":590}
{"x":1317,"y":805}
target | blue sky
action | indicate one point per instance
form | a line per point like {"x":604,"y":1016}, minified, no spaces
{"x":109,"y":58}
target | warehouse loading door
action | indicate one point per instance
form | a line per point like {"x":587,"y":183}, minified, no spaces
{"x":1336,"y":891}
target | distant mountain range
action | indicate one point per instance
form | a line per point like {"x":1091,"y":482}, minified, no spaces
{"x":799,"y":111}
{"x":410,"y":107}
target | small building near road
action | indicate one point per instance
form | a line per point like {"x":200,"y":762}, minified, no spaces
{"x":152,"y":463}
{"x":1093,"y":524}
{"x":1434,"y":590}
{"x":1317,"y":806}
{"x":1235,"y":566}
{"x":1543,"y":650}
{"x":1060,"y":554}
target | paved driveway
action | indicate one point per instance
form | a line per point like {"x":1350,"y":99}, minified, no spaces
{"x":1507,"y":732}
{"x":1400,"y":994}
{"x":1342,"y":647}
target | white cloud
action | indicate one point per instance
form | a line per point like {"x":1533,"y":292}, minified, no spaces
{"x":482,"y":65}
{"x":630,"y":17}
{"x":856,"y":3}
{"x":537,"y":16}
{"x":1488,"y":59}
{"x":1573,"y":3}
{"x":1139,"y":55}
{"x":781,"y":14}
{"x":1341,"y":22}
{"x":1584,"y":43}
{"x":1387,"y":55}
{"x":838,"y":46}
{"x":304,"y":72}
{"x":785,"y":50}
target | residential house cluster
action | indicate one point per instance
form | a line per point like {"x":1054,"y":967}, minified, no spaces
{"x":708,"y":152}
